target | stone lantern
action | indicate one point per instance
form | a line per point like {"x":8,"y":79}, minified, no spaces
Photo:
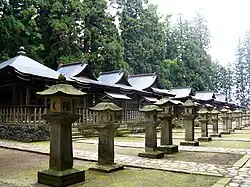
{"x":230,"y":120}
{"x":248,"y":117}
{"x":106,"y":127}
{"x":224,"y":117}
{"x":166,"y":130}
{"x":188,"y":117}
{"x":215,"y":120}
{"x":203,"y":113}
{"x":151,"y":112}
{"x":61,"y":117}
{"x":237,"y":116}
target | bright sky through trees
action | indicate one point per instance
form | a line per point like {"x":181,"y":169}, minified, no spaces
{"x":227,"y":21}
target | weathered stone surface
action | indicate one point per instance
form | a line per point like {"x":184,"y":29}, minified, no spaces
{"x":204,"y":139}
{"x":216,"y":135}
{"x":189,"y":143}
{"x":153,"y":154}
{"x":107,"y":168}
{"x":61,"y":178}
{"x":25,"y":133}
{"x":168,"y":149}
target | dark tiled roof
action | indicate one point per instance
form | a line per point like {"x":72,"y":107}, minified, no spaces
{"x":113,"y":77}
{"x":142,"y":81}
{"x":204,"y":95}
{"x":26,"y":65}
{"x":76,"y":69}
{"x":163,"y":91}
{"x":181,"y":92}
{"x":221,"y":97}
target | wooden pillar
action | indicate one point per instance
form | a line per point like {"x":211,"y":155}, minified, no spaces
{"x":14,"y":93}
{"x":27,"y":100}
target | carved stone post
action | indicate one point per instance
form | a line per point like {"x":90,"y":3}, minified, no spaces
{"x":60,"y":172}
{"x":188,"y":117}
{"x":230,"y":121}
{"x":166,"y":130}
{"x":224,"y":117}
{"x":215,"y":121}
{"x":203,"y":113}
{"x":237,"y":117}
{"x":151,"y":112}
{"x":106,"y":128}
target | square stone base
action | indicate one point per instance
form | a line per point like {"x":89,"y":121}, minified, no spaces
{"x":205,"y":139}
{"x":237,"y":128}
{"x":225,"y":132}
{"x":168,"y":149}
{"x":106,"y":168}
{"x":216,"y":135}
{"x":60,"y":178}
{"x":152,"y":154}
{"x":190,"y":143}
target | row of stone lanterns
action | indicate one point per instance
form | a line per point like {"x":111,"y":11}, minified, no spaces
{"x":61,"y":172}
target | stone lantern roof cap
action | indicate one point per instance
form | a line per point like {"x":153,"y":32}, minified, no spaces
{"x":167,"y":100}
{"x":106,"y":105}
{"x":224,"y":110}
{"x":203,"y":111}
{"x":238,"y":111}
{"x":215,"y":111}
{"x":61,"y":89}
{"x":150,"y":108}
{"x":189,"y":103}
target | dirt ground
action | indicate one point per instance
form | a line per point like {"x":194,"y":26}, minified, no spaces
{"x":19,"y":169}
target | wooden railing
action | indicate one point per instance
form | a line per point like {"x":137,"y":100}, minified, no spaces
{"x":132,"y":116}
{"x":32,"y":114}
{"x":29,"y":114}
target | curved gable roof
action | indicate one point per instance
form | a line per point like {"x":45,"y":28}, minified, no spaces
{"x":76,"y":69}
{"x":26,"y":65}
{"x":205,"y":95}
{"x":182,"y":92}
{"x":142,"y":81}
{"x":113,"y":77}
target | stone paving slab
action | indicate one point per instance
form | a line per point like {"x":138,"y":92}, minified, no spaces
{"x":182,"y":148}
{"x":182,"y":137}
{"x":133,"y":161}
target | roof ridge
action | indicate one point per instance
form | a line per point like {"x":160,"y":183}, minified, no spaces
{"x":181,"y":87}
{"x":143,"y":74}
{"x":73,"y":63}
{"x":204,"y":92}
{"x":110,"y":72}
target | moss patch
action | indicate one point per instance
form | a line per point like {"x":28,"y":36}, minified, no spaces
{"x":226,"y":144}
{"x":205,"y":157}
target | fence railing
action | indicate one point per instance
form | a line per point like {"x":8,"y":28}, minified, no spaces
{"x":32,"y":114}
{"x":29,"y":114}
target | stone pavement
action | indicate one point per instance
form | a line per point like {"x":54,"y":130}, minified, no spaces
{"x":240,"y":176}
{"x":182,"y":148}
{"x":182,"y":137}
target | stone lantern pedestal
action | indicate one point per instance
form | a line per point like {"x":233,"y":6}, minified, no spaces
{"x":224,"y":117}
{"x":230,"y":121}
{"x":106,"y":128}
{"x":215,"y":120}
{"x":61,"y":171}
{"x":237,"y":117}
{"x":204,"y":123}
{"x":166,"y":130}
{"x":248,"y":117}
{"x":188,"y":118}
{"x":151,"y":151}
